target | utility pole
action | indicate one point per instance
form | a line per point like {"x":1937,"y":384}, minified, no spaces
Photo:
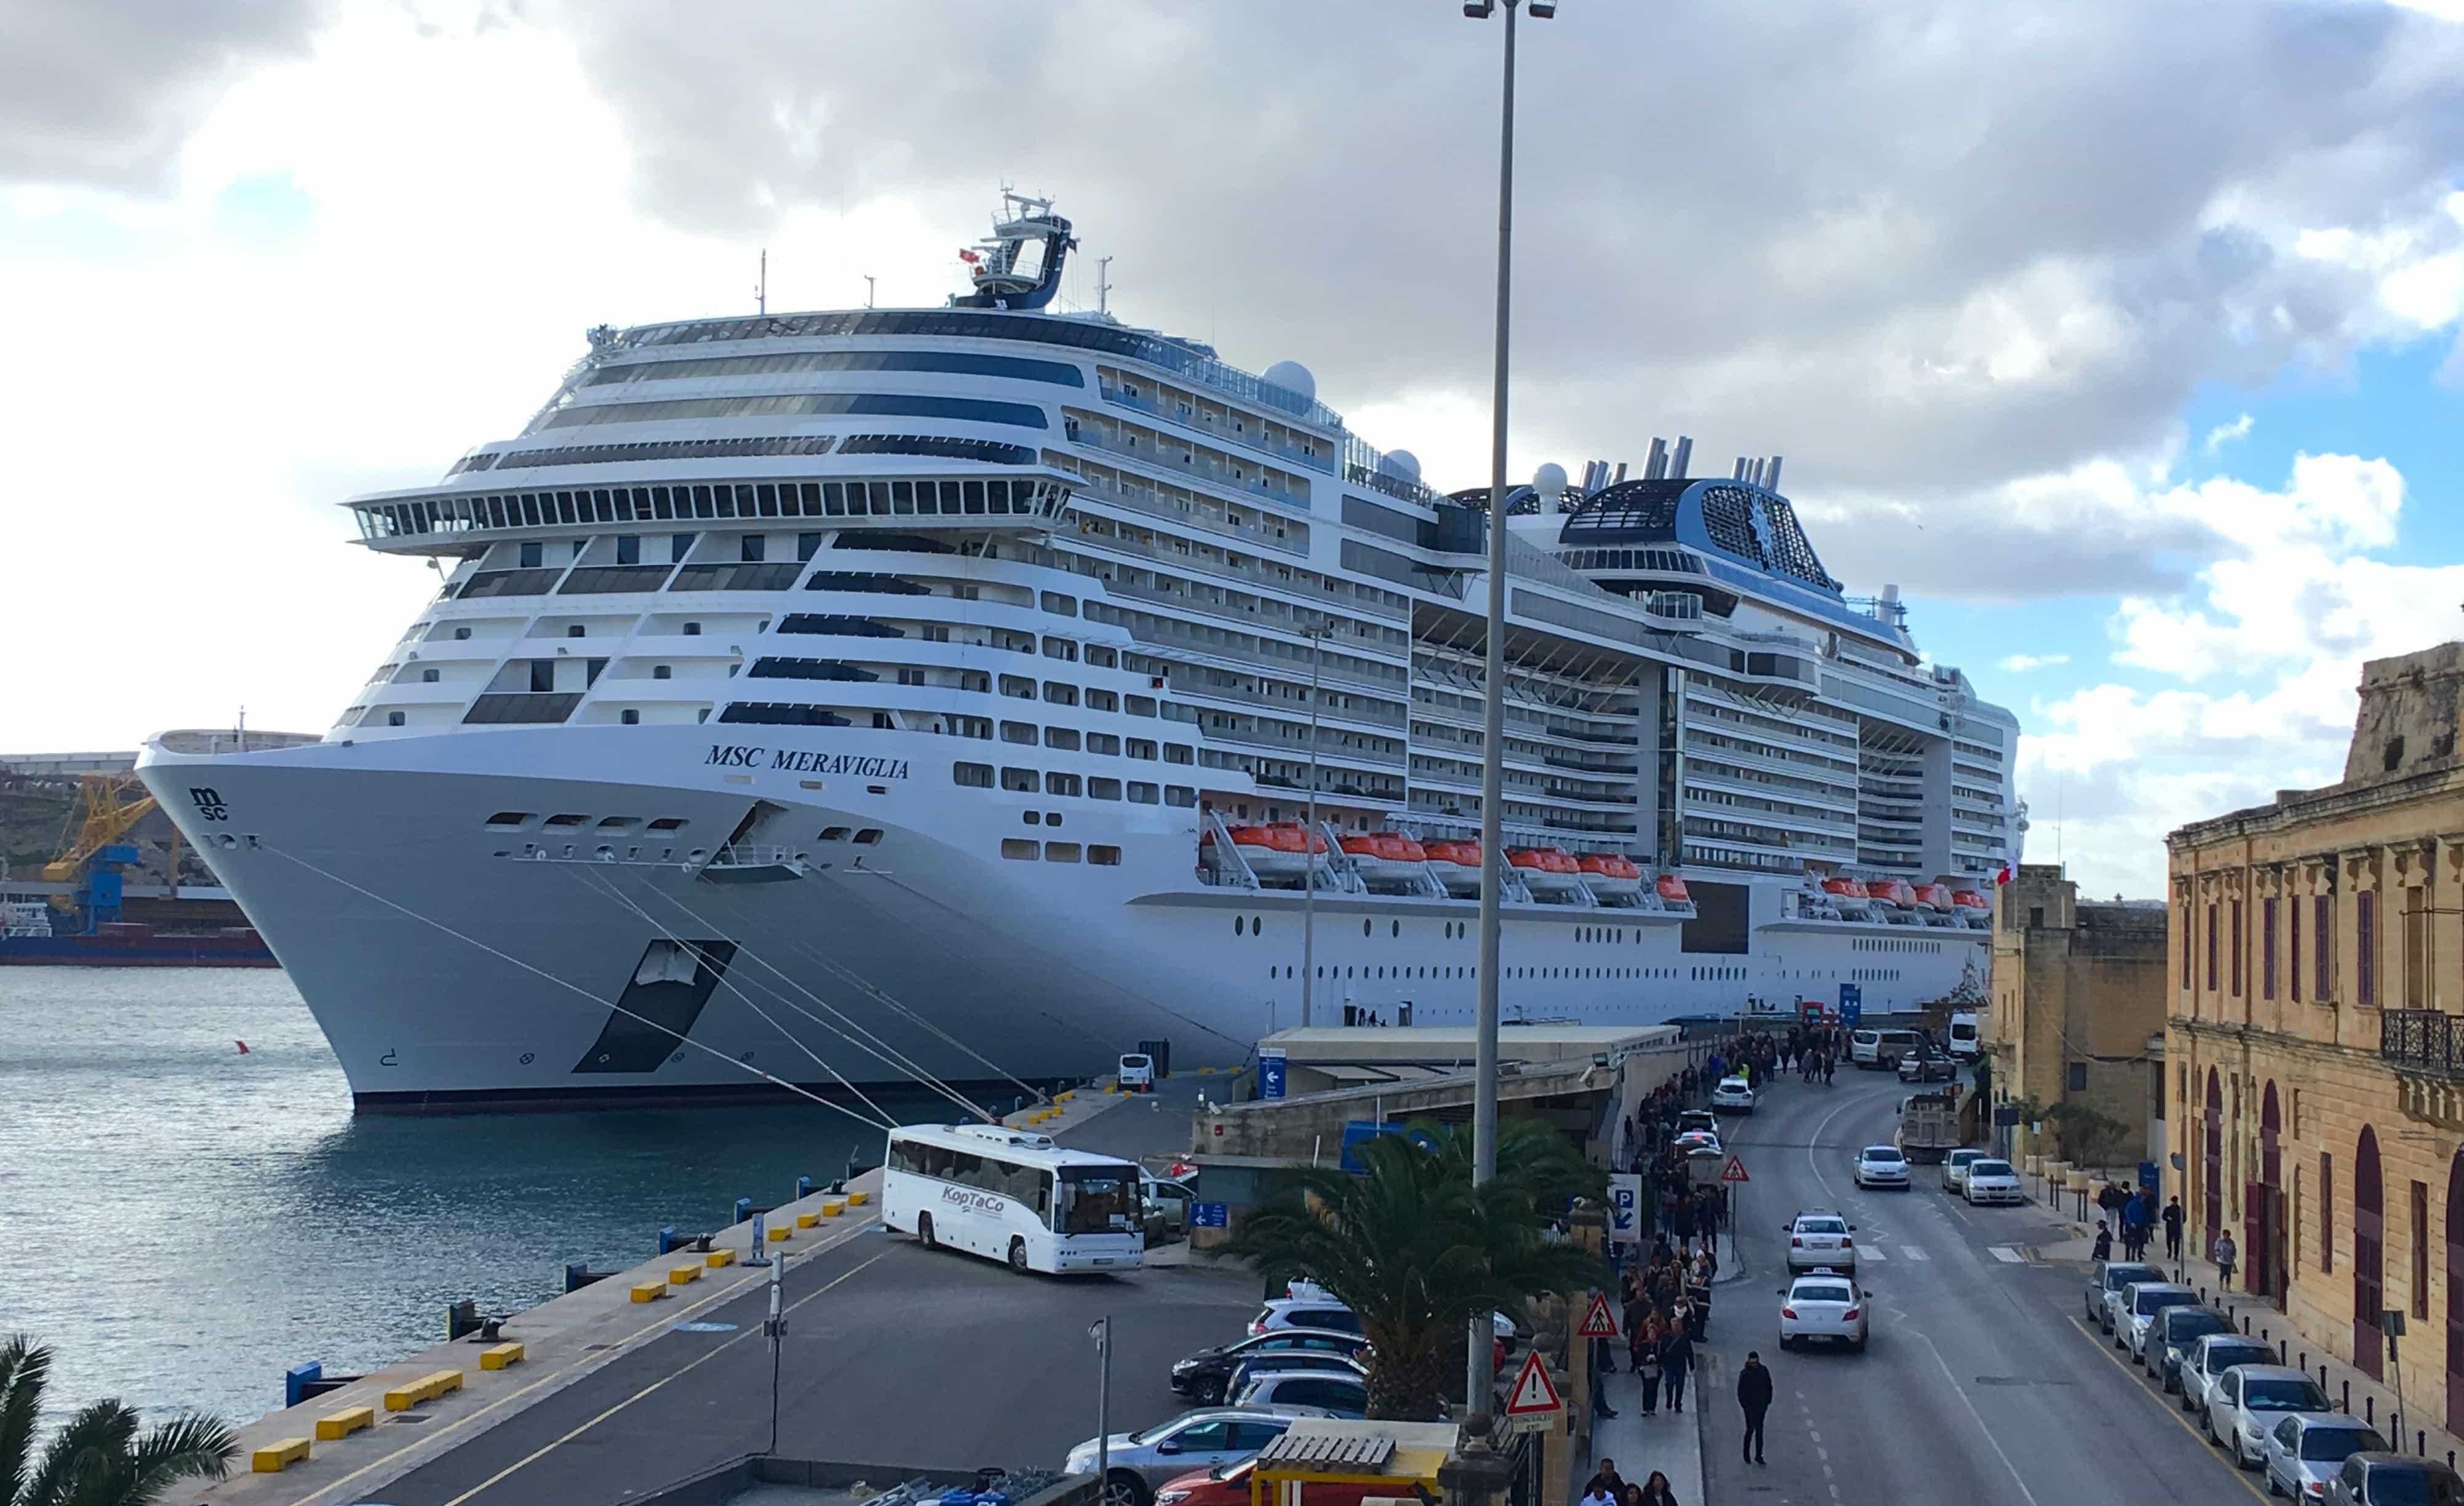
{"x":1101,"y":1331}
{"x":776,"y":1327}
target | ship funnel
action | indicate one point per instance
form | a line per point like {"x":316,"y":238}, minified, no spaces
{"x":1621,"y":472}
{"x":1771,"y":476}
{"x":1656,"y":465}
{"x":1677,"y":462}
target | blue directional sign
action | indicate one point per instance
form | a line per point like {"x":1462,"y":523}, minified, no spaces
{"x":1210,"y":1216}
{"x":1270,"y":1074}
{"x":1852,"y":1005}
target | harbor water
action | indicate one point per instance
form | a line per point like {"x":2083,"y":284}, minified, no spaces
{"x":186,"y":1220}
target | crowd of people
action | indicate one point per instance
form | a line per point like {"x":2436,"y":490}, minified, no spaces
{"x":2134,"y":1212}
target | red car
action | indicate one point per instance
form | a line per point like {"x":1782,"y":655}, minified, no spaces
{"x":1228,"y":1485}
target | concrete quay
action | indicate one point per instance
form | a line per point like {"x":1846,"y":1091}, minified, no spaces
{"x":661,"y":1373}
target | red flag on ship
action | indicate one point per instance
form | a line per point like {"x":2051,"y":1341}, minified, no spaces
{"x":969,"y":258}
{"x":2003,"y":877}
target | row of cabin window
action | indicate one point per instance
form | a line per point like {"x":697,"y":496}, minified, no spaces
{"x":1027,"y":849}
{"x":1068,"y":738}
{"x":1894,"y":944}
{"x":1093,"y":787}
{"x":716,"y":500}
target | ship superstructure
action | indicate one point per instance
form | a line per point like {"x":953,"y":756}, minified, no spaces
{"x":850,"y":694}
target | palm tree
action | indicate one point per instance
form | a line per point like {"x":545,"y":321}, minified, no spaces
{"x":1416,"y":1251}
{"x":99,"y":1458}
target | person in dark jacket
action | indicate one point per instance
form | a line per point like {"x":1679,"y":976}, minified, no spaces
{"x":2103,"y":1248}
{"x":1656,"y":1491}
{"x":1676,"y":1363}
{"x":1754,"y":1397}
{"x":2173,"y":1229}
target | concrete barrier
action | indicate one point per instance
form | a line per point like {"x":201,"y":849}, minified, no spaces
{"x":807,"y":1220}
{"x":683,"y":1274}
{"x":278,"y":1456}
{"x":781,"y":1233}
{"x":344,"y":1423}
{"x":495,"y":1357}
{"x":858,"y":1198}
{"x":832,"y":1208}
{"x":650,"y":1291}
{"x":426,"y":1388}
{"x":719,"y":1258}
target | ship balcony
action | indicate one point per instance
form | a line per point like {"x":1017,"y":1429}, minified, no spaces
{"x":1835,"y":805}
{"x":1886,"y":820}
{"x":1199,"y":420}
{"x":1297,"y":750}
{"x":1155,"y":504}
{"x":1374,"y":715}
{"x":1291,"y":598}
{"x":1087,"y":436}
{"x":399,"y":695}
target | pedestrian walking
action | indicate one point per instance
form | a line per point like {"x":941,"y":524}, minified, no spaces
{"x":1755,"y":1399}
{"x":1676,"y":1363}
{"x":2173,"y":1230}
{"x":1646,"y":1361}
{"x":2103,"y":1248}
{"x":2225,"y":1255}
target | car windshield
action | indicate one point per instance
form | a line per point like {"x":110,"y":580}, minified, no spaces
{"x":2158,"y":1302}
{"x":1824,"y":1293}
{"x":2282,"y":1396}
{"x":2185,"y":1328}
{"x":1988,"y":1168}
{"x":1158,"y":1430}
{"x":2118,"y":1276}
{"x":2223,"y":1357}
{"x":1821,"y":1226}
{"x":1133,"y":1063}
{"x":2402,"y":1485}
{"x":1095,"y":1200}
{"x":1961,"y":1158}
{"x":2328,"y":1444}
{"x":1882,"y":1153}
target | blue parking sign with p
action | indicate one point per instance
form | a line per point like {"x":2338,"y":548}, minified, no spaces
{"x":1625,"y":1207}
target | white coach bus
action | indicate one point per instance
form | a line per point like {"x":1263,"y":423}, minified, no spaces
{"x":1012,"y":1195}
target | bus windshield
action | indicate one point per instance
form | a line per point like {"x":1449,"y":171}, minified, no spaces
{"x":1096,"y":1200}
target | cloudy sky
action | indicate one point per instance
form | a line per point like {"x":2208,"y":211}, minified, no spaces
{"x":2122,"y":337}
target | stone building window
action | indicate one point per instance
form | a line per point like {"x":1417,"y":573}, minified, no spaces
{"x":2324,"y":947}
{"x":2366,"y":936}
{"x":2421,"y":1249}
{"x":2326,"y":1212}
{"x":2236,"y":949}
{"x":2267,"y":949}
{"x":2212,"y":947}
{"x":2077,"y":1082}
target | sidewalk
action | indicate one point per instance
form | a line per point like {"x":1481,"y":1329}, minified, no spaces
{"x":1671,"y":1443}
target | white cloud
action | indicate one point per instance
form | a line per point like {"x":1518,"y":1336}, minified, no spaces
{"x":2224,"y":434}
{"x":2021,"y":663}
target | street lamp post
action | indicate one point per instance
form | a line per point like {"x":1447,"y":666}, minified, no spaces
{"x":1308,"y":837}
{"x":1478,"y":1393}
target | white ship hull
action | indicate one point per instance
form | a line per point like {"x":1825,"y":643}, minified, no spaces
{"x":453,"y":964}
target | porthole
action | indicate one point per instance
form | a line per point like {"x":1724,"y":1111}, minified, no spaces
{"x":1395,"y":927}
{"x":868,"y":836}
{"x":1364,"y":927}
{"x":1240,"y":924}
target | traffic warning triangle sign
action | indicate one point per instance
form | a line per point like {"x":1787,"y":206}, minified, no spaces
{"x":1534,"y":1394}
{"x":1734,"y":1171}
{"x":1601,"y":1321}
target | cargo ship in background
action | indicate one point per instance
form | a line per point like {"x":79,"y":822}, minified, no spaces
{"x":27,"y":938}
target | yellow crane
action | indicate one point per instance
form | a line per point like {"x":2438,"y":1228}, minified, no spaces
{"x":94,"y":844}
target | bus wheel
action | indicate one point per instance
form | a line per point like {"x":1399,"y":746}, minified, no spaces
{"x":1018,"y":1255}
{"x":924,"y":1232}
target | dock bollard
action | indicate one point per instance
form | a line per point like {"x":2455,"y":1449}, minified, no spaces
{"x":462,"y":1317}
{"x":804,"y":1188}
{"x":743,"y":1210}
{"x":579,"y":1274}
{"x":2370,"y":1410}
{"x":667,"y":1237}
{"x":2348,"y":1391}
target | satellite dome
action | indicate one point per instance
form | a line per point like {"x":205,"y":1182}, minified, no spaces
{"x":1550,"y":479}
{"x":1292,"y":377}
{"x":1401,"y":463}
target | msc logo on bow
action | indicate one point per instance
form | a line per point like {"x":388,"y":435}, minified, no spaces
{"x":209,"y":802}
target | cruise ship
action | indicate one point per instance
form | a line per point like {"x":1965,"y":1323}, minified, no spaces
{"x":864,"y":697}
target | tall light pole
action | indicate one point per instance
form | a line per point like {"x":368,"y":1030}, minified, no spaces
{"x":1309,"y":835}
{"x":1478,"y":1387}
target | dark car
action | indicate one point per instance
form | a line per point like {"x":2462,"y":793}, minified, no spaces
{"x":2177,"y":1329}
{"x":2391,"y":1479}
{"x":1924,"y":1064}
{"x":1203,"y":1376}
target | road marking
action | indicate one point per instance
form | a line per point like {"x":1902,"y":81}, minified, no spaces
{"x":2175,"y":1413}
{"x":2007,"y":1255}
{"x":1875,"y":1253}
{"x":2016,"y":1478}
{"x":544,"y":1450}
{"x":1914,"y":1253}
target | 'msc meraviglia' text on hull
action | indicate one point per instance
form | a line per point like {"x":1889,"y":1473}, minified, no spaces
{"x":856,"y":695}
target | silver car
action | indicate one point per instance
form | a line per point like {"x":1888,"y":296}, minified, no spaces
{"x":2305,"y":1449}
{"x":2135,"y":1310}
{"x":2208,"y":1362}
{"x":1881,"y":1166}
{"x":1194,"y":1440}
{"x":2246,"y":1401}
{"x":2109,"y":1277}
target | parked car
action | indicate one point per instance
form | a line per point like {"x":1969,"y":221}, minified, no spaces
{"x":1205,"y":1376}
{"x":1821,"y":1239}
{"x":1954,"y":1169}
{"x":1301,"y":1289}
{"x":1141,"y":1461}
{"x":1341,"y":1393}
{"x":2248,"y":1399}
{"x":2373,"y":1479}
{"x":1166,"y":1203}
{"x":1822,"y":1305}
{"x":2177,"y":1330}
{"x":1924,"y":1064}
{"x":1293,"y":1312}
{"x":1881,"y":1048}
{"x":1881,"y":1166}
{"x":2210,"y":1359}
{"x":1228,"y":1485}
{"x":1990,"y":1180}
{"x":1137,"y":1072}
{"x":2136,"y":1308}
{"x":1697,"y":1119}
{"x":1733,"y":1096}
{"x":2111,"y":1277}
{"x":2305,"y":1450}
{"x":1255,"y":1366}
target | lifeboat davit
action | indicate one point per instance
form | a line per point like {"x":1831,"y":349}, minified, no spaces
{"x":1671,"y":891}
{"x":1545,"y":870}
{"x":1455,"y":864}
{"x":1610,"y":875}
{"x":1386,"y":857}
{"x":1849,"y":897}
{"x":1973,"y":908}
{"x":1272,"y":852}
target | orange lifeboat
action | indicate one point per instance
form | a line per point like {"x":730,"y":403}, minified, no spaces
{"x":1455,"y":864}
{"x":1671,"y":891}
{"x":1610,"y":875}
{"x":1849,"y":897}
{"x":1973,"y":908}
{"x":1385,"y":858}
{"x":1843,"y":888}
{"x":1933,"y":896}
{"x":1894,"y":901}
{"x":1272,"y":852}
{"x":1545,"y":870}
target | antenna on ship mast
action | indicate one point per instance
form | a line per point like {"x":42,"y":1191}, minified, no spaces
{"x":1103,"y":282}
{"x":761,"y":288}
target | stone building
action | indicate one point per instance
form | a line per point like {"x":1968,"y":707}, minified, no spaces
{"x":2317,"y":976}
{"x":2078,"y":1010}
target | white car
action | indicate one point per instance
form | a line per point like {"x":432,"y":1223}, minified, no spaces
{"x":2204,"y":1367}
{"x":1733,"y":1096}
{"x":1168,"y":1198}
{"x":1194,"y":1440}
{"x":2247,"y":1401}
{"x":1301,"y":1289}
{"x":2134,"y":1313}
{"x":2305,"y":1449}
{"x":1954,"y":1169}
{"x":1988,"y":1180}
{"x":1822,"y":1305}
{"x":1137,"y":1072}
{"x":1697,"y":1142}
{"x":1821,"y":1239}
{"x":1881,"y":1166}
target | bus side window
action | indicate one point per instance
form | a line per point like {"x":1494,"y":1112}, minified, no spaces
{"x":1044,"y":1196}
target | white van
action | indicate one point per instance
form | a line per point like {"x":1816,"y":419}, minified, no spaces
{"x":1137,"y":1072}
{"x":1881,"y":1048}
{"x":1962,"y":1045}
